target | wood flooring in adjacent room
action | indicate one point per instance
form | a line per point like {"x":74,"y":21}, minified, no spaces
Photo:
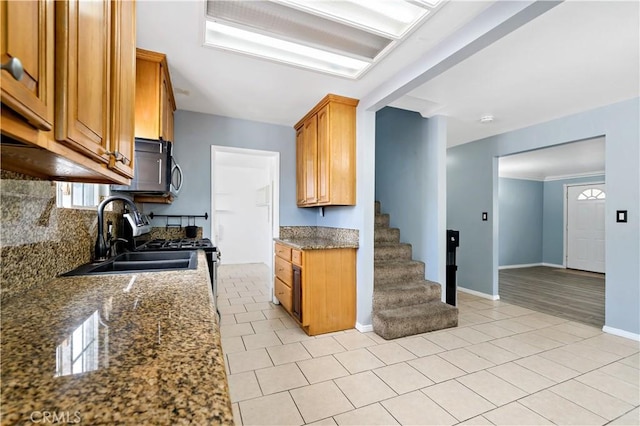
{"x":567,"y":293}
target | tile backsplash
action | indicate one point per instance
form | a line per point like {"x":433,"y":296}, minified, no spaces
{"x":38,"y":240}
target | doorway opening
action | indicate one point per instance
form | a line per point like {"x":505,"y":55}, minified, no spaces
{"x":245,"y":204}
{"x":550,"y":234}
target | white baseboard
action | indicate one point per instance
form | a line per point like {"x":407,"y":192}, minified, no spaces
{"x":531,"y":265}
{"x":621,"y":333}
{"x":525,"y":265}
{"x":364,"y":328}
{"x":477,"y":293}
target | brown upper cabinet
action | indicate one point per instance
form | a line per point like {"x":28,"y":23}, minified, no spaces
{"x":155,"y":103}
{"x":70,"y":115}
{"x":326,"y":155}
{"x":27,"y":38}
{"x":124,"y":78}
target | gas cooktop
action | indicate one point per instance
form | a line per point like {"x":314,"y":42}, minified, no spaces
{"x":177,"y":244}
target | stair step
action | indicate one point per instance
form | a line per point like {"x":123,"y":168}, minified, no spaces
{"x":382,"y":221}
{"x":415,"y":319}
{"x":398,"y":271}
{"x":391,"y":251}
{"x":386,"y":235}
{"x":405,"y":294}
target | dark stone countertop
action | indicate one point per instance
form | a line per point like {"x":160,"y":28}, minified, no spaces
{"x":137,"y":349}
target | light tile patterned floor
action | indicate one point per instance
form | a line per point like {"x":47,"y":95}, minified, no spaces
{"x":503,"y":365}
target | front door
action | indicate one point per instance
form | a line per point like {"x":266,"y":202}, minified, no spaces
{"x":585,"y":227}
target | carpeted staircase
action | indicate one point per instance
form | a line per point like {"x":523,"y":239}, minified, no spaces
{"x":404,"y":303}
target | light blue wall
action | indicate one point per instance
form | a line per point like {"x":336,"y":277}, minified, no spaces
{"x":472,"y":188}
{"x":553,"y":218}
{"x":436,"y":199}
{"x":194,"y":135}
{"x":399,"y":179}
{"x":470,"y":183}
{"x":520,"y":221}
{"x":531,"y":220}
{"x":411,"y":182}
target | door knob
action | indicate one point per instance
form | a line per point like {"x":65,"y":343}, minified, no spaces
{"x":14,"y":66}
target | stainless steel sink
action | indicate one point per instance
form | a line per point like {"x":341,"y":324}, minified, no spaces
{"x":132,"y":262}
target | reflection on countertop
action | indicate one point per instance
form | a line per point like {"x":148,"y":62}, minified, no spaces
{"x":127,"y":348}
{"x":318,"y":237}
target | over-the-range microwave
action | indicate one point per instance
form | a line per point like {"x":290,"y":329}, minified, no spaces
{"x":156,"y":172}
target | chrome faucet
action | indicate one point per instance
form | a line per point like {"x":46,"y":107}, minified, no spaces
{"x":101,"y":247}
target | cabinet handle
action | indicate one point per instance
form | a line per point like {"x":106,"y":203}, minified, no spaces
{"x":119,"y":157}
{"x":14,"y":67}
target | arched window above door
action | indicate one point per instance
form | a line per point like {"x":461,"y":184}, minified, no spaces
{"x":592,"y":194}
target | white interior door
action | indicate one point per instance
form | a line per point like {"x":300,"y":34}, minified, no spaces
{"x":585,"y":227}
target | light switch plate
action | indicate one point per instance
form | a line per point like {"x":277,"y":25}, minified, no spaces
{"x":621,"y":216}
{"x":485,"y":216}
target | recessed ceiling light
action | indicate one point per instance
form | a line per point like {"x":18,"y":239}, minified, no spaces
{"x":235,"y":39}
{"x":485,"y":119}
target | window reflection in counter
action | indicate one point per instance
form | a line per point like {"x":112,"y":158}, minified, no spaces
{"x":79,"y":353}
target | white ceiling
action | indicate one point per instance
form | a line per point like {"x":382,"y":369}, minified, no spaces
{"x":233,"y":85}
{"x":575,"y":57}
{"x":584,"y":158}
{"x":578,"y":56}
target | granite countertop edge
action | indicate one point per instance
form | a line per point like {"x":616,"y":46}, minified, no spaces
{"x":316,"y":243}
{"x":182,"y":380}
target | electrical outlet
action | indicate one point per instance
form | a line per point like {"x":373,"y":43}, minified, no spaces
{"x":485,"y":216}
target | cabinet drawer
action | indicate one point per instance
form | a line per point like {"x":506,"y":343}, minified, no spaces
{"x":296,"y":257}
{"x":283,"y":252}
{"x":283,"y":293}
{"x":284,"y":271}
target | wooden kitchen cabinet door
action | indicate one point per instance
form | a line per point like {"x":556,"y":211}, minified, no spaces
{"x":26,"y":34}
{"x":337,"y":154}
{"x":300,"y":184}
{"x":328,"y":290}
{"x":123,"y":87}
{"x":155,"y":103}
{"x":167,"y":106}
{"x":324,"y":159}
{"x":83,"y":67}
{"x":310,"y":158}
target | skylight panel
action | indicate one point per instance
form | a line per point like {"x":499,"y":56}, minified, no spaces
{"x":280,"y":21}
{"x":342,"y":37}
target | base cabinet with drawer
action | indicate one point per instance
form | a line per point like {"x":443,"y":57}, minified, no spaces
{"x":317,"y":287}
